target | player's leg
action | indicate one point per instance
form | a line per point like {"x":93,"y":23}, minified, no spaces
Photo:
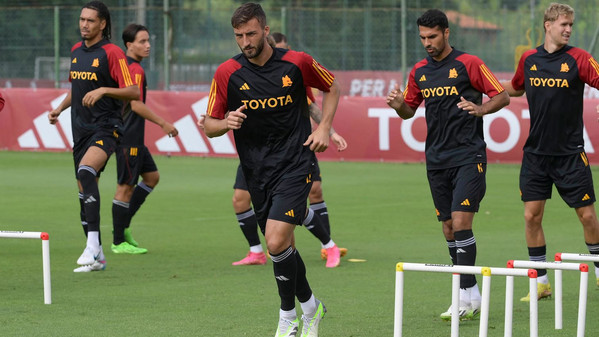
{"x":123,"y":242}
{"x":78,"y":153}
{"x":576,"y":188}
{"x":129,"y":163}
{"x":318,"y":205}
{"x":248,"y":223}
{"x":535,"y":189}
{"x":465,"y":243}
{"x":279,"y":239}
{"x":469,"y":191}
{"x":149,"y":179}
{"x":249,"y":227}
{"x":288,"y":208}
{"x":91,"y":164}
{"x":313,"y":224}
{"x":590,"y":225}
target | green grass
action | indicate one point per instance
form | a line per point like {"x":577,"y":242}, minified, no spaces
{"x":186,"y":286}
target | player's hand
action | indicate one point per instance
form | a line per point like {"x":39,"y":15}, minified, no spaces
{"x":318,"y":140}
{"x":472,"y":108}
{"x":339,"y":141}
{"x":92,"y":97}
{"x":53,"y":116}
{"x":170,"y":129}
{"x":235,"y":118}
{"x":395,"y":98}
{"x":201,"y":121}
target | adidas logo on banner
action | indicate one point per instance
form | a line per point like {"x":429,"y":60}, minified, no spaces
{"x":43,"y":135}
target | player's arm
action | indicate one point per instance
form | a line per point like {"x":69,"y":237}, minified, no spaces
{"x":396,"y":101}
{"x":142,"y":109}
{"x":492,"y":105}
{"x":509,"y":88}
{"x":319,"y":139}
{"x":128,"y":93}
{"x":53,"y":115}
{"x":316,"y":115}
{"x":214,"y":127}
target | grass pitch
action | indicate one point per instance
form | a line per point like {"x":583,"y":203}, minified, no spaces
{"x":186,"y":286}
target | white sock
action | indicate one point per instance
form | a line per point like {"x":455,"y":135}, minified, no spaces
{"x":256,"y":249}
{"x":93,"y":240}
{"x":597,"y":272}
{"x":475,"y":297}
{"x":543,"y":279}
{"x":309,"y":307}
{"x":329,"y":244}
{"x":289,"y":315}
{"x":464,"y":297}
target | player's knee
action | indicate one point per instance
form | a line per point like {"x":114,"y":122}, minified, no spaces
{"x":315,"y":195}
{"x":532,"y":219}
{"x":123,"y":192}
{"x":276,"y":245}
{"x":588,"y":218}
{"x":241,"y":200}
{"x":87,"y":176}
{"x":151,"y":179}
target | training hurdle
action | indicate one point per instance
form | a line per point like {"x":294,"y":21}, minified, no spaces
{"x":558,"y":267}
{"x":456,"y":270}
{"x":45,"y":256}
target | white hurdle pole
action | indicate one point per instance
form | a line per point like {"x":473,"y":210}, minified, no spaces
{"x":509,"y":298}
{"x":577,"y":257}
{"x":443,"y":268}
{"x":486,"y":294}
{"x":45,"y":256}
{"x":559,"y":266}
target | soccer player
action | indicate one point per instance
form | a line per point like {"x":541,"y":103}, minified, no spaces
{"x":451,"y":84}
{"x":553,"y":76}
{"x":261,"y":95}
{"x":247,"y":218}
{"x":100,"y":81}
{"x":133,"y":159}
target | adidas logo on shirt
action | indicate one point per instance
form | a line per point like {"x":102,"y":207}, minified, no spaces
{"x":422,"y":78}
{"x":245,"y":86}
{"x":534,"y":67}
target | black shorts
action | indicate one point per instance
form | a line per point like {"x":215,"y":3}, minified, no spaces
{"x":571,"y":175}
{"x":240,"y":183}
{"x":131,"y":162}
{"x":286,"y":201}
{"x":459,"y":188}
{"x":106,"y":139}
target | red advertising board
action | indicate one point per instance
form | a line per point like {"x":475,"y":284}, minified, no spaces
{"x":373,"y":131}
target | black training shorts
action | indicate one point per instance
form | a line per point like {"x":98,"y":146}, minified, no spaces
{"x":459,"y":188}
{"x":571,"y":174}
{"x":131,"y":162}
{"x":105,"y":138}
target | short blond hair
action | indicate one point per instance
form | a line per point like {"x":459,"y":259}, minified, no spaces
{"x":555,"y":10}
